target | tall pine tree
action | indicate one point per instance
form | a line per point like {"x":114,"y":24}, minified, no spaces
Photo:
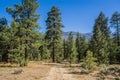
{"x":115,"y":22}
{"x":25,"y":15}
{"x":53,"y":35}
{"x":100,"y":40}
{"x":4,"y":40}
{"x":71,"y":48}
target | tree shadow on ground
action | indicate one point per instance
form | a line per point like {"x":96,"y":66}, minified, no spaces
{"x":80,"y":72}
{"x":77,"y":72}
{"x":55,"y":64}
{"x":50,"y":64}
{"x":74,"y":72}
{"x":68,"y":66}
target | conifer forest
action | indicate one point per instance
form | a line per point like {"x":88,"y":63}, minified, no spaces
{"x":29,"y":54}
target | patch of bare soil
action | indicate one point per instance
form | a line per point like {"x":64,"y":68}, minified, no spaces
{"x":35,"y":71}
{"x":59,"y":73}
{"x":64,"y":72}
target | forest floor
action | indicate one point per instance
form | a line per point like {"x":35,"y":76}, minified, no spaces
{"x":47,"y":71}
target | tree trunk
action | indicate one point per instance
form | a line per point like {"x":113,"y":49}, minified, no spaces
{"x":79,"y":57}
{"x":26,"y":41}
{"x":53,"y":53}
{"x":26,"y":50}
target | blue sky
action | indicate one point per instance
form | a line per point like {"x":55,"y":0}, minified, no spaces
{"x":77,"y":15}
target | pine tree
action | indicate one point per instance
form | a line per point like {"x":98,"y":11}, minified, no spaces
{"x":14,"y":41}
{"x":44,"y":51}
{"x":100,"y":40}
{"x":65,"y":53}
{"x":36,"y":42}
{"x":17,"y":31}
{"x":89,"y":61}
{"x":25,"y":15}
{"x":53,"y":35}
{"x":71,"y":48}
{"x":29,"y":22}
{"x":9,"y":42}
{"x":81,"y":46}
{"x":4,"y":40}
{"x":115,"y":22}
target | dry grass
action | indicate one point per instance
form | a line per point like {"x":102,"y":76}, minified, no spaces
{"x":34,"y":71}
{"x":40,"y":70}
{"x":79,"y":73}
{"x":103,"y":73}
{"x":2,"y":64}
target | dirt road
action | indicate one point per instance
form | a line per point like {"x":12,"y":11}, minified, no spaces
{"x":63,"y":72}
{"x":59,"y":73}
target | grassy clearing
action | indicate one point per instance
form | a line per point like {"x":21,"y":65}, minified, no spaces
{"x":34,"y":71}
{"x":40,"y":70}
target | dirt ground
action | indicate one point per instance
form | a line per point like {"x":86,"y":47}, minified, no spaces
{"x":46,"y":71}
{"x":35,"y":71}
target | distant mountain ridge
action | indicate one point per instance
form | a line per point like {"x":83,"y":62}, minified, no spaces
{"x":87,"y":35}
